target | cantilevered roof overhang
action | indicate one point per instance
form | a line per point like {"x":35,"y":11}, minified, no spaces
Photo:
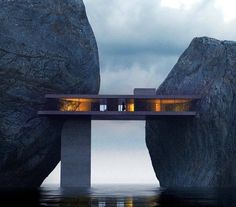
{"x":95,"y":96}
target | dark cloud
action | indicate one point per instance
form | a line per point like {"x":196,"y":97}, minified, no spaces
{"x":138,"y":26}
{"x":137,"y":34}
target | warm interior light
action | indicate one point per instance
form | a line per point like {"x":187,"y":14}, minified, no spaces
{"x":174,"y":101}
{"x":129,"y":202}
{"x":130,"y":107}
{"x":75,"y":104}
{"x":175,"y":104}
{"x":158,"y":105}
{"x":81,"y":100}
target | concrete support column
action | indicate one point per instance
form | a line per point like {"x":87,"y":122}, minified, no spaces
{"x":76,"y":153}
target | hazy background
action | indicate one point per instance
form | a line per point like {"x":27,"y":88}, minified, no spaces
{"x":139,"y":42}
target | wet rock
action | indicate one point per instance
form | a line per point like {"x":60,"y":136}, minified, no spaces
{"x":201,"y":151}
{"x":45,"y":47}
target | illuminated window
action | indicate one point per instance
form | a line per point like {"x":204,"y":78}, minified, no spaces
{"x":74,"y":104}
{"x":130,"y":107}
{"x":158,"y":105}
{"x":175,"y":104}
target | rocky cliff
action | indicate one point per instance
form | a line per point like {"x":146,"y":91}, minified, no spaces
{"x":45,"y":47}
{"x":199,"y":151}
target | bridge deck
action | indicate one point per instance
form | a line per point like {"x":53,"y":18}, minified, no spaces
{"x":116,"y":115}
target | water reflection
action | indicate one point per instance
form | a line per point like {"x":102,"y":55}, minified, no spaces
{"x":122,"y":202}
{"x":119,"y":196}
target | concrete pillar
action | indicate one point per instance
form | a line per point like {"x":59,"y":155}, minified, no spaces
{"x":76,"y":153}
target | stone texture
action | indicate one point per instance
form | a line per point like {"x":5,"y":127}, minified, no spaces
{"x":200,"y":151}
{"x":45,"y":47}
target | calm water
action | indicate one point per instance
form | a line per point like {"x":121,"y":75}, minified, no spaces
{"x":118,"y":196}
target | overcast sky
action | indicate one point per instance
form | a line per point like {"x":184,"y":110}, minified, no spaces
{"x":139,"y":42}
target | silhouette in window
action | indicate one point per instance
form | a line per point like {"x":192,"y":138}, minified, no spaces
{"x":123,"y":106}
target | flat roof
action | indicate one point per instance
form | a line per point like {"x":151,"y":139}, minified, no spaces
{"x":104,"y":96}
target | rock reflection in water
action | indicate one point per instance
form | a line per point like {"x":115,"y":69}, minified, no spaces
{"x":119,"y":196}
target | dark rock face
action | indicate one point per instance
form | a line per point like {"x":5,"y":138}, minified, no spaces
{"x":45,"y":47}
{"x":200,"y":151}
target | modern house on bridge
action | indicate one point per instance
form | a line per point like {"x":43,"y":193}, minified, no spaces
{"x":79,"y":109}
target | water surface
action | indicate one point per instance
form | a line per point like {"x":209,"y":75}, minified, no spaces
{"x":118,"y":196}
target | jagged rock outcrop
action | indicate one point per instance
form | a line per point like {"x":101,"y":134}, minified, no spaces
{"x":45,"y":47}
{"x":199,"y":151}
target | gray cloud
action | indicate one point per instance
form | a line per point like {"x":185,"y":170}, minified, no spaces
{"x":146,"y":36}
{"x":139,"y":26}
